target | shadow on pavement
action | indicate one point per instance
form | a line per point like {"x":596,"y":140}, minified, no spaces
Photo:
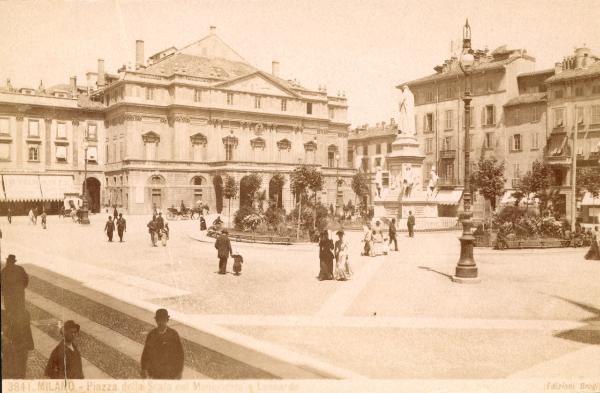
{"x":448,"y":276}
{"x":588,"y":334}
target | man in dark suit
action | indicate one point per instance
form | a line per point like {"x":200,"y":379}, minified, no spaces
{"x":121,"y":226}
{"x":411,"y":224}
{"x":109,"y":228}
{"x":223,"y":245}
{"x":65,"y":359}
{"x":14,"y":281}
{"x":162,"y":357}
{"x":392,"y":234}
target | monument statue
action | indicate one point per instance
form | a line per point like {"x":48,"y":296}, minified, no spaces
{"x":408,"y":182}
{"x":406,"y":121}
{"x":432,"y":185}
{"x":378,"y":181}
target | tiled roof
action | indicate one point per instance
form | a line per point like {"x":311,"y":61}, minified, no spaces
{"x":540,"y":72}
{"x":373,"y":132}
{"x":592,"y":70}
{"x":529,"y":98}
{"x":486,"y":66}
{"x":203,"y":67}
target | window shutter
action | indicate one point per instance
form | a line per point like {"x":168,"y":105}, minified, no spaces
{"x":483,"y":116}
{"x":433,"y":122}
{"x":493,"y":114}
{"x":425,"y":123}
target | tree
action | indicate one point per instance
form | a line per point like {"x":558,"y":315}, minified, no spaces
{"x":230,"y":190}
{"x":277,"y":182}
{"x":305,"y":178}
{"x":360,"y":186}
{"x":589,"y":180}
{"x":539,"y":181}
{"x":489,"y":180}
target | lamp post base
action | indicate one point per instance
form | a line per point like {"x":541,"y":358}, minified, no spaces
{"x":85,"y":219}
{"x":466,"y":268}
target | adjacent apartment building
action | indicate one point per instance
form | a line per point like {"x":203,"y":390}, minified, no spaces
{"x":169,"y":129}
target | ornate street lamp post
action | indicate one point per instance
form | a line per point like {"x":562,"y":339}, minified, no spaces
{"x":338,"y":208}
{"x":466,"y":269}
{"x":84,"y":208}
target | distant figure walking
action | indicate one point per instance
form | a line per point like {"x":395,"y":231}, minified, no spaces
{"x":392,"y":234}
{"x":65,"y":359}
{"x":325,"y":257}
{"x":16,"y":344}
{"x":43,"y":215}
{"x":342,"y":270}
{"x":162,"y":357}
{"x":9,"y":216}
{"x":378,"y":239}
{"x":593,"y":253}
{"x":223,"y":246}
{"x":35,"y":215}
{"x":115,"y":212}
{"x":31,"y":217}
{"x":368,"y":239}
{"x":109,"y":228}
{"x":164,"y":234}
{"x":121,"y":227}
{"x":202,"y":223}
{"x":410,"y":223}
{"x":152,"y":231}
{"x":14,"y":280}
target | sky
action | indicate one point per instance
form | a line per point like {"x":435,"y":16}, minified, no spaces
{"x":362,"y":48}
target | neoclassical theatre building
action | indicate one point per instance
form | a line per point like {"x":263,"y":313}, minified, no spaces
{"x":169,"y":129}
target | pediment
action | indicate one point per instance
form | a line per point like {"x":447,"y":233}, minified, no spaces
{"x":258,"y":83}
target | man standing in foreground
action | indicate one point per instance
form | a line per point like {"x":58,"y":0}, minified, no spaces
{"x":14,"y":280}
{"x":223,"y":245}
{"x":392,"y":234}
{"x":162,"y":357}
{"x":411,"y":224}
{"x":121,"y":226}
{"x":65,"y":360}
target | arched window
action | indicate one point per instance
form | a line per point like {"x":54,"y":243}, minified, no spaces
{"x":198,"y":182}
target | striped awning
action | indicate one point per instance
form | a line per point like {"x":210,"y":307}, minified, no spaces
{"x":589,"y":200}
{"x":449,"y":197}
{"x":36,"y":187}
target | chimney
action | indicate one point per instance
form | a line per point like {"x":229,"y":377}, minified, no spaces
{"x":275,"y":68}
{"x":73,"y":86}
{"x":139,"y":54}
{"x":558,"y":67}
{"x":101,"y":79}
{"x":212,"y":30}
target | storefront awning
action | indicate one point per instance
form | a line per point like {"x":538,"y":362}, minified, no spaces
{"x":22,"y":188}
{"x":36,"y":187}
{"x":449,"y":197}
{"x":589,"y":200}
{"x":55,"y":187}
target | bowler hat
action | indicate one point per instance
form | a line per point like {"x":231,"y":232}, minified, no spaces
{"x":11,"y":258}
{"x":70,"y":324}
{"x":161,"y":313}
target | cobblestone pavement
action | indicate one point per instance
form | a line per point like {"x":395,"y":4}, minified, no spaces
{"x":535,"y":312}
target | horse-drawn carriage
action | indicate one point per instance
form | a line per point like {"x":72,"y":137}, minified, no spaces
{"x":71,"y":207}
{"x":185,"y":213}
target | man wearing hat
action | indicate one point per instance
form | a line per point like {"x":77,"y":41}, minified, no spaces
{"x":14,"y":280}
{"x":65,"y":359}
{"x":16,"y":344}
{"x":223,"y":246}
{"x":162,"y":357}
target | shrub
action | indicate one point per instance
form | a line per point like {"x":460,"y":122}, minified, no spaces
{"x":274,"y":216}
{"x":240,"y":215}
{"x":251,"y":222}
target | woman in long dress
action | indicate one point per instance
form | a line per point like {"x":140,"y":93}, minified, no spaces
{"x":378,"y":239}
{"x":368,"y":239}
{"x":594,"y":251}
{"x":342,"y":270}
{"x":325,"y":257}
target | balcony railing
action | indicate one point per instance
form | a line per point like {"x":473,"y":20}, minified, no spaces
{"x":450,"y":154}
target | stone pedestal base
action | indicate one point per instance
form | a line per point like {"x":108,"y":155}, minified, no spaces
{"x":462,"y":280}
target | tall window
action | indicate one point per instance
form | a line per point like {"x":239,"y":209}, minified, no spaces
{"x":450,"y":92}
{"x":428,"y":122}
{"x":516,"y":171}
{"x":447,"y":143}
{"x":4,"y":126}
{"x":229,"y":98}
{"x":558,"y":93}
{"x":309,"y":108}
{"x":61,"y":153}
{"x":228,"y":152}
{"x":596,"y":89}
{"x":364,"y":164}
{"x":149,"y":93}
{"x":34,"y":153}
{"x":595,"y":111}
{"x":535,"y":114}
{"x":449,"y":122}
{"x":378,"y":148}
{"x":472,"y":117}
{"x":350,"y":159}
{"x":428,"y":145}
{"x":61,"y":131}
{"x":580,"y":119}
{"x":331,"y":113}
{"x":92,"y":131}
{"x":331,"y":159}
{"x":559,"y":117}
{"x":516,"y":142}
{"x":377,"y":163}
{"x":389,"y":147}
{"x":489,"y":140}
{"x":34,"y":129}
{"x":197,"y":95}
{"x":579,"y":91}
{"x":490,"y":115}
{"x":535,"y":141}
{"x":257,"y":102}
{"x":284,"y":104}
{"x":365,"y":149}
